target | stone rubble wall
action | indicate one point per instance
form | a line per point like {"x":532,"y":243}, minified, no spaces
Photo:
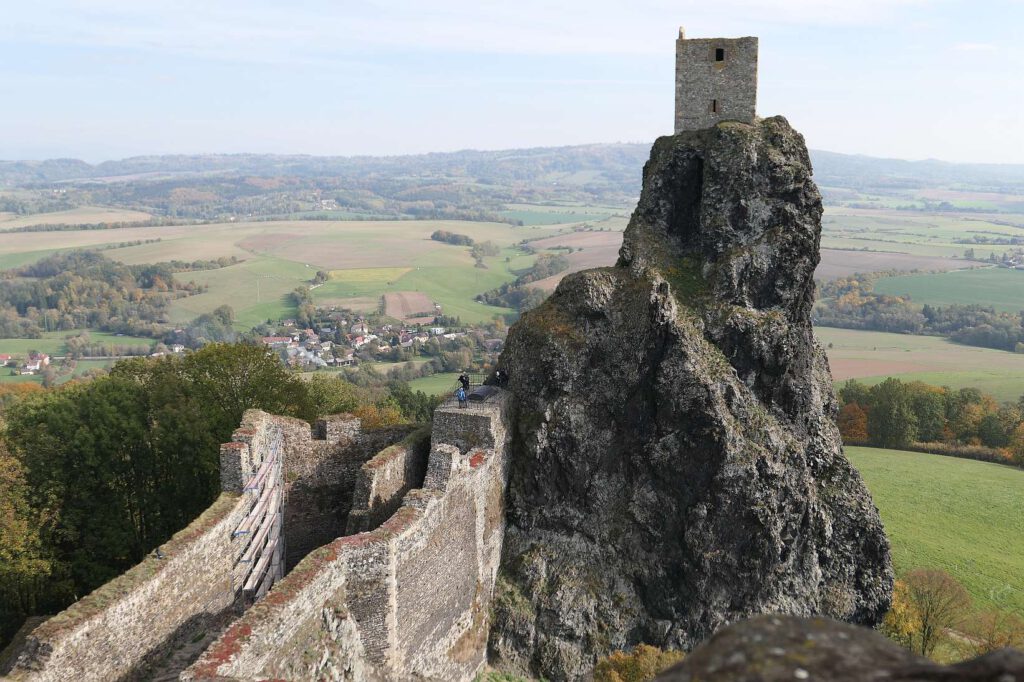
{"x":320,"y":475}
{"x":408,"y":600}
{"x":125,"y":627}
{"x":121,"y":628}
{"x":383,"y":481}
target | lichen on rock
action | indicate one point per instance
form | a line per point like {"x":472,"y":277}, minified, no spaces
{"x":675,"y":463}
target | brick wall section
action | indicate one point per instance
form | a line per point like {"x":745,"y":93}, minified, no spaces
{"x":408,"y":600}
{"x":730,"y":83}
{"x":383,"y":481}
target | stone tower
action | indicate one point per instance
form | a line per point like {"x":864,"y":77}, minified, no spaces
{"x":716,"y":80}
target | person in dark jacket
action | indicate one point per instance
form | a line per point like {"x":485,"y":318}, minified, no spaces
{"x":464,"y":380}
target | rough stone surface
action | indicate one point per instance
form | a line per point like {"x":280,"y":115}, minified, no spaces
{"x":138,"y":625}
{"x":676,"y":464}
{"x":409,"y":600}
{"x":787,"y":648}
{"x":709,"y":90}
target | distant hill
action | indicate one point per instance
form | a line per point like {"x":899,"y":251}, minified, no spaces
{"x":606,"y":164}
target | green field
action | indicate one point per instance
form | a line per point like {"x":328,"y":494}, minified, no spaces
{"x":871,"y":357}
{"x":1001,"y":288}
{"x":52,"y":343}
{"x":443,"y":383}
{"x":959,"y":515}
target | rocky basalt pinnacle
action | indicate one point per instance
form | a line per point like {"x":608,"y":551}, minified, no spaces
{"x":676,"y":464}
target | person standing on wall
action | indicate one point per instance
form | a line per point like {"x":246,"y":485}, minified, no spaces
{"x":464,"y":380}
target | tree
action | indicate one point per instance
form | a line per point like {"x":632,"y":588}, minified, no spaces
{"x":116,"y":465}
{"x":940,"y":602}
{"x":892,"y":422}
{"x":902,"y":623}
{"x":853,"y":423}
{"x":991,"y":630}
{"x":330,"y":394}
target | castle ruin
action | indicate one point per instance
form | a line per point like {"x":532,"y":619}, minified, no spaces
{"x":333,"y":552}
{"x":716,"y":80}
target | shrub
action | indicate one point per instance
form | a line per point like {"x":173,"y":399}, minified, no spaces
{"x":640,"y":665}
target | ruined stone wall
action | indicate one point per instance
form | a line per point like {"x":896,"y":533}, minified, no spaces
{"x":708,"y":90}
{"x":320,"y":477}
{"x":124,"y":626}
{"x":408,"y":600}
{"x":132,"y":623}
{"x":383,"y":481}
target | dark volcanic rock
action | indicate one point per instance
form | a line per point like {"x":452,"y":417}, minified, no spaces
{"x":676,"y":463}
{"x":786,"y":648}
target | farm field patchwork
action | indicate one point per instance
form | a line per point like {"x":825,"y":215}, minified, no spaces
{"x":871,"y":357}
{"x":958,"y":515}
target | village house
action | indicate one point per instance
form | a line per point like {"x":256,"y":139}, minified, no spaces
{"x":5,"y":359}
{"x":36,"y":362}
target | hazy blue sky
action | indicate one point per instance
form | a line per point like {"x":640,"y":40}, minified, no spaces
{"x":101,"y":79}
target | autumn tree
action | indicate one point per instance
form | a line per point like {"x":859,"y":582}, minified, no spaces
{"x":990,"y":630}
{"x":853,"y":423}
{"x":941,"y":603}
{"x":902,"y":623}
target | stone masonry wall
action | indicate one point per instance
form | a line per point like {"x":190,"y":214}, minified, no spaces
{"x":700,"y":80}
{"x":383,"y":481}
{"x":134,"y":620}
{"x":321,"y":474}
{"x":124,"y":628}
{"x":408,"y":600}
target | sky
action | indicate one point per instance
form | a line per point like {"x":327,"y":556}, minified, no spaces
{"x":107,"y":79}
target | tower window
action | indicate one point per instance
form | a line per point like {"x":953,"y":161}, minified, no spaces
{"x":719,"y":54}
{"x":714,"y":106}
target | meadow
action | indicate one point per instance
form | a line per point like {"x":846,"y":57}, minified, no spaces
{"x":871,"y":357}
{"x":1001,"y":288}
{"x":961,"y":516}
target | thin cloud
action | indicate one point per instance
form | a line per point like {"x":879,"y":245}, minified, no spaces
{"x":975,"y":47}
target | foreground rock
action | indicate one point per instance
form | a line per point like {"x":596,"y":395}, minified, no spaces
{"x":773,"y":649}
{"x":676,"y":464}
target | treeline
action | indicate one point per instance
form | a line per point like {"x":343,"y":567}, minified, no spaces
{"x":76,"y":289}
{"x":97,"y":474}
{"x":452,"y":238}
{"x":918,"y":416}
{"x":77,"y":227}
{"x":517,"y":294}
{"x":850,"y":303}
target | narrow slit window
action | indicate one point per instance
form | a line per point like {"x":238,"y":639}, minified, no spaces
{"x":719,"y":54}
{"x":714,"y":106}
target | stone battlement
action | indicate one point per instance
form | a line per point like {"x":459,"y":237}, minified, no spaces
{"x":407,"y":600}
{"x":286,"y":485}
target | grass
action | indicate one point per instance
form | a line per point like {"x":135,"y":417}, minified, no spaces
{"x":443,"y":383}
{"x":52,"y":343}
{"x":1001,"y":288}
{"x":871,"y":357}
{"x":961,"y":516}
